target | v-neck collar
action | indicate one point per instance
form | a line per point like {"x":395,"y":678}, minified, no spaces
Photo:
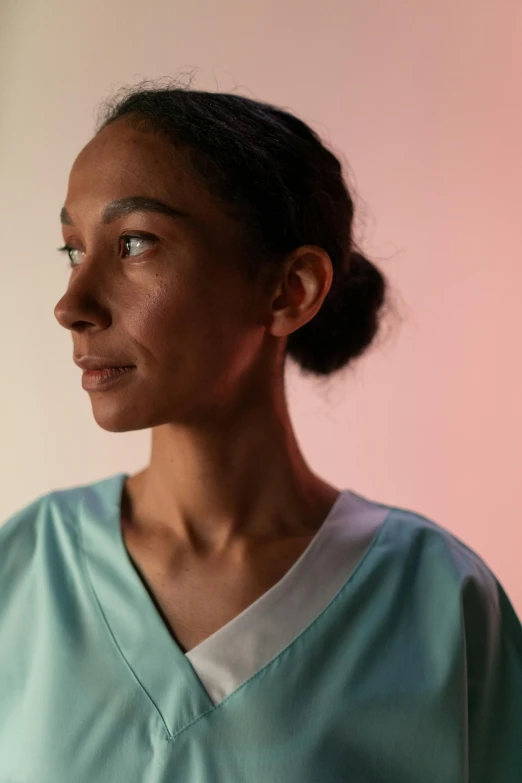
{"x":216,"y":667}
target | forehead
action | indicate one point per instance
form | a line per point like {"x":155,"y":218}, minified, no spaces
{"x":121,"y":162}
{"x":126,"y":161}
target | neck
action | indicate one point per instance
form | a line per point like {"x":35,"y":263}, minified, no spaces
{"x":241,"y":478}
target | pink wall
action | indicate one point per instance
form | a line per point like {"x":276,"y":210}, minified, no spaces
{"x":423,"y":100}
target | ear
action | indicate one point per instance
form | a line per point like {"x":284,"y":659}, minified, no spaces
{"x":301,"y":289}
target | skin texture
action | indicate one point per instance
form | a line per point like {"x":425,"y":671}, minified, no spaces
{"x":227,"y":489}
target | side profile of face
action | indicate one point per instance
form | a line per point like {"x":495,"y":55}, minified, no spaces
{"x":166,"y":293}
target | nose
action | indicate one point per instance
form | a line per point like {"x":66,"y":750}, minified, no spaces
{"x":76,"y":310}
{"x":62,"y":315}
{"x":83,"y":301}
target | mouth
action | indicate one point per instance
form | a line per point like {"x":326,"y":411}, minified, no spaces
{"x":104,"y":377}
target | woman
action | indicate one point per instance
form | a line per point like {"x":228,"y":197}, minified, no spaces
{"x":226,"y":615}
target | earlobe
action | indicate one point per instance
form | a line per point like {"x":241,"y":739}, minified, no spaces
{"x":300,"y":292}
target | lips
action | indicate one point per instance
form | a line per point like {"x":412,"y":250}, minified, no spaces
{"x":99,"y":368}
{"x":104,"y":378}
{"x":107,"y":369}
{"x":99,"y":363}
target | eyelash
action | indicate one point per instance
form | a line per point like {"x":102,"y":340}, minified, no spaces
{"x":67,"y":248}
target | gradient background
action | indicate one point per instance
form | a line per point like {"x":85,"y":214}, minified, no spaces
{"x":422,"y":100}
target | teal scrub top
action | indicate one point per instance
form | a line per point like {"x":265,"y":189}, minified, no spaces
{"x":388,"y":653}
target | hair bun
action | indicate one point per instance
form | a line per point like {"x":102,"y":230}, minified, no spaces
{"x":357,"y":264}
{"x":347,"y":322}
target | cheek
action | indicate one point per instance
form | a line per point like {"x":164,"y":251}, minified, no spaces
{"x":201,"y":328}
{"x":172,"y":325}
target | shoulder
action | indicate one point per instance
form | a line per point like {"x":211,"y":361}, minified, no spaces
{"x":23,"y":533}
{"x":422,"y":556}
{"x":428,"y":575}
{"x":420,"y":534}
{"x":41,"y":531}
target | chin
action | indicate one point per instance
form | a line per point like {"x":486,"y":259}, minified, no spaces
{"x":119,"y":420}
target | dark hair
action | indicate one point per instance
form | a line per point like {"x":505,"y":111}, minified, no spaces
{"x":272,"y":172}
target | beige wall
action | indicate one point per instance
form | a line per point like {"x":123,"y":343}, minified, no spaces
{"x":423,"y":99}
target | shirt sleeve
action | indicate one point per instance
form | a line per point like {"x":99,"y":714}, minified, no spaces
{"x":494,"y":681}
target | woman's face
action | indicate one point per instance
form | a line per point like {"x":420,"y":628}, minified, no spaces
{"x":172,"y":301}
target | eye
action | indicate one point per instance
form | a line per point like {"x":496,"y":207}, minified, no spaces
{"x":68,"y":249}
{"x":140,"y":240}
{"x":125,"y":238}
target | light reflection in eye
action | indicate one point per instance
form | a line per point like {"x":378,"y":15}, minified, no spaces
{"x":125,"y":238}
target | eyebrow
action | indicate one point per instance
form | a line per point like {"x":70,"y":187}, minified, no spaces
{"x":126,"y":206}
